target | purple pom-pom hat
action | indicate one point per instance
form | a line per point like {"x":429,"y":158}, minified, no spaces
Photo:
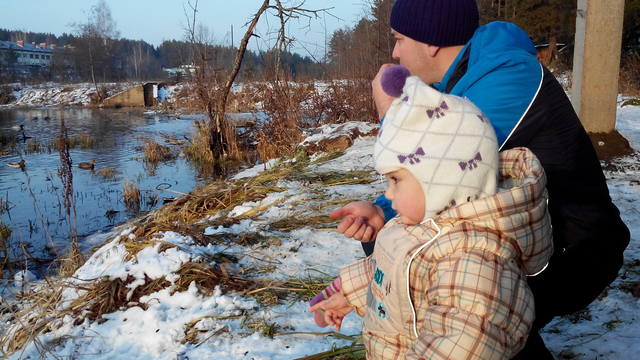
{"x":393,"y":79}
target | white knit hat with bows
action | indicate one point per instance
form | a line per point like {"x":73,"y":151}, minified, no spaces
{"x":444,"y":141}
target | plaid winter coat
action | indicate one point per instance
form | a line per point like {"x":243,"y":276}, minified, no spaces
{"x":455,"y":287}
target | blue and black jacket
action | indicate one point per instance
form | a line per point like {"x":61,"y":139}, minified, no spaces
{"x":499,"y":72}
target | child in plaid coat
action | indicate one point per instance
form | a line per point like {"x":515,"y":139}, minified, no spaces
{"x":447,"y":278}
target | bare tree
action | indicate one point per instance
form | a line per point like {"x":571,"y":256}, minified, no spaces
{"x":94,"y":46}
{"x":213,"y":93}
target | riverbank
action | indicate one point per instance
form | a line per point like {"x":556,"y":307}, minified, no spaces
{"x":54,"y":94}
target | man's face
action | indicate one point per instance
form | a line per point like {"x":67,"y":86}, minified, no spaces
{"x":416,"y":57}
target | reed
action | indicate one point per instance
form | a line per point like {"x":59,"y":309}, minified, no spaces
{"x":131,"y":195}
{"x":281,"y":134}
{"x":6,"y":95}
{"x":154,"y":152}
{"x":5,"y":232}
{"x":7,"y":139}
{"x":33,"y":146}
{"x":107,"y":173}
{"x":74,"y":259}
{"x":82,"y":142}
{"x":341,"y":101}
{"x":73,"y":142}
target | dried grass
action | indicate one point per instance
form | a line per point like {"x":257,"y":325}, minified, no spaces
{"x":355,"y":351}
{"x":5,"y":232}
{"x":334,"y":178}
{"x":135,"y":246}
{"x":192,"y":334}
{"x":5,"y":205}
{"x":107,"y":173}
{"x":131,"y":195}
{"x":82,"y":142}
{"x":198,"y":150}
{"x":281,"y":102}
{"x":208,"y":277}
{"x":74,"y":258}
{"x":40,"y":316}
{"x":212,"y":198}
{"x":243,"y":239}
{"x":71,"y":262}
{"x":630,"y":75}
{"x":154,"y":152}
{"x":242,"y":101}
{"x":328,"y":157}
{"x":79,"y":141}
{"x":6,"y":95}
{"x":296,"y":221}
{"x":341,"y":101}
{"x":106,"y":296}
{"x":33,"y":146}
{"x":8,"y":139}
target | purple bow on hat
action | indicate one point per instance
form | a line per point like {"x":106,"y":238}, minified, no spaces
{"x":412,"y":157}
{"x":471,"y":164}
{"x":438,"y":111}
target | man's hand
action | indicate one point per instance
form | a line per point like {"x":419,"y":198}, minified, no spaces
{"x":335,"y":309}
{"x":382,"y":99}
{"x":361,"y":220}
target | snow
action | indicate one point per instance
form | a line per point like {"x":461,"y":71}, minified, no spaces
{"x":253,"y":171}
{"x":610,"y":329}
{"x":23,"y":278}
{"x":53,"y":94}
{"x":330,"y":131}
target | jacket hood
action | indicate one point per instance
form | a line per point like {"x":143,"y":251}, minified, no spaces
{"x":492,"y":45}
{"x":500,"y":40}
{"x":501,"y":57}
{"x":518,"y":210}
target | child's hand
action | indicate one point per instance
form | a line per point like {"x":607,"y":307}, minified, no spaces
{"x":335,"y":309}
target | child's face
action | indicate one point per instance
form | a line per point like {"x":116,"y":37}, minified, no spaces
{"x":406,"y":196}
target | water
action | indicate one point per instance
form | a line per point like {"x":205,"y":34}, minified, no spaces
{"x":38,"y":219}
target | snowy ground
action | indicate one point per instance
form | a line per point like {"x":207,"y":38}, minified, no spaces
{"x":53,"y":94}
{"x":81,"y":94}
{"x":156,"y":327}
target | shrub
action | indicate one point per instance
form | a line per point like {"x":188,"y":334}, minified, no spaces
{"x":6,"y":95}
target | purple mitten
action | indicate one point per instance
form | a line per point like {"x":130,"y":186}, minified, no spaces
{"x":393,"y":79}
{"x":334,"y":287}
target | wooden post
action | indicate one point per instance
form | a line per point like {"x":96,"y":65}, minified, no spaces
{"x":596,"y":63}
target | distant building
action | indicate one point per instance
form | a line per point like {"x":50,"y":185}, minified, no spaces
{"x":181,"y":71}
{"x":20,"y":54}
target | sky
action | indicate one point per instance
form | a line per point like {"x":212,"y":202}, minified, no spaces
{"x":157,"y":20}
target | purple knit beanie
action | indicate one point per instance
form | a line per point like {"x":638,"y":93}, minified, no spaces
{"x":436,"y":22}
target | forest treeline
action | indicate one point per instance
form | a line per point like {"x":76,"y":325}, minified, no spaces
{"x":360,"y":50}
{"x":95,"y":51}
{"x":124,"y":59}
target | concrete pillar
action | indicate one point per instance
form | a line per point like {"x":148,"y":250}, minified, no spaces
{"x":596,"y":63}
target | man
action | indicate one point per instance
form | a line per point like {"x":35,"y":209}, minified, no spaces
{"x":495,"y":66}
